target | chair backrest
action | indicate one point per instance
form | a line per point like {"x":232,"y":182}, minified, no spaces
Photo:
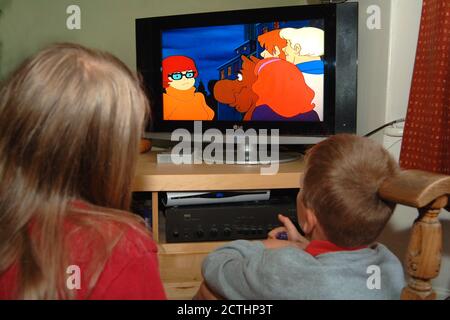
{"x":429,"y":193}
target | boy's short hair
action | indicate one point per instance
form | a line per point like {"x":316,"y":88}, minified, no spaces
{"x":341,"y":182}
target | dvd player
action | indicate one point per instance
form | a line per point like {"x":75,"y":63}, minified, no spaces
{"x":171,"y":199}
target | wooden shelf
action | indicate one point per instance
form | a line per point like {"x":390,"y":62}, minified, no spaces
{"x":154,"y":177}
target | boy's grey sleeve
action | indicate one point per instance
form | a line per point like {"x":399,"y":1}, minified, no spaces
{"x":235,"y":271}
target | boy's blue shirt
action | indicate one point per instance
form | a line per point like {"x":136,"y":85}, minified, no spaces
{"x":247,"y":270}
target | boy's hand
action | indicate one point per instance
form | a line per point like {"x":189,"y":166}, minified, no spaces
{"x":291,"y":230}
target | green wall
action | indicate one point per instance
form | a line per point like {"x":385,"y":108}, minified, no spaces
{"x":28,"y":25}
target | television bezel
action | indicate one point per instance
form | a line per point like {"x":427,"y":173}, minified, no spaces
{"x":340,"y":22}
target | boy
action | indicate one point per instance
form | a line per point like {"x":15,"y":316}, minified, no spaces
{"x":341,"y":214}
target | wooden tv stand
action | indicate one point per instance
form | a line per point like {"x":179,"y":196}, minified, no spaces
{"x":180,"y":263}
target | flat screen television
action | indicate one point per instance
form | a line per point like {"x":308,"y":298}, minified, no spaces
{"x":287,"y":68}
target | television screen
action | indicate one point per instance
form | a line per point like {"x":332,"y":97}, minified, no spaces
{"x":245,"y":72}
{"x":286,"y":68}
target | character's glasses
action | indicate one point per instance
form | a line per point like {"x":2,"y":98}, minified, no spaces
{"x":179,"y":75}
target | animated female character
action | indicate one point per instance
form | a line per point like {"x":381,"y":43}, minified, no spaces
{"x":282,"y":93}
{"x":181,"y":102}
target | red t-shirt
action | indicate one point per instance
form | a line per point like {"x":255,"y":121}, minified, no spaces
{"x":130,"y":273}
{"x":317,"y":247}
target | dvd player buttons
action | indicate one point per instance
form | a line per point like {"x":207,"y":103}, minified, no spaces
{"x":227,"y":232}
{"x":200,"y":233}
{"x":213,"y":232}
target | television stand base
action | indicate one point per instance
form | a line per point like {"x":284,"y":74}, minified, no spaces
{"x":282,"y":158}
{"x":165,"y":157}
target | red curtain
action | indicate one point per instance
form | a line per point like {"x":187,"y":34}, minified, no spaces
{"x":426,"y":139}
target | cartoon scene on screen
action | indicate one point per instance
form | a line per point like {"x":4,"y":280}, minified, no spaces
{"x":254,"y":72}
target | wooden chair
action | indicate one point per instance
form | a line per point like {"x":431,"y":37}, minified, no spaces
{"x":429,"y":193}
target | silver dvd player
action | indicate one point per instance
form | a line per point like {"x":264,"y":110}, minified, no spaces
{"x":172,"y":199}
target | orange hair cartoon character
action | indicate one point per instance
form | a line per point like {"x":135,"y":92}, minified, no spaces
{"x":273,"y":44}
{"x":181,"y":102}
{"x":281,"y":91}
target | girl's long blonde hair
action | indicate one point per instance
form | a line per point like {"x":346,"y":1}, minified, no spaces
{"x":70,"y":123}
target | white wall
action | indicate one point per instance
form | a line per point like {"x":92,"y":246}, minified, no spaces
{"x":373,"y":56}
{"x":28,"y":25}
